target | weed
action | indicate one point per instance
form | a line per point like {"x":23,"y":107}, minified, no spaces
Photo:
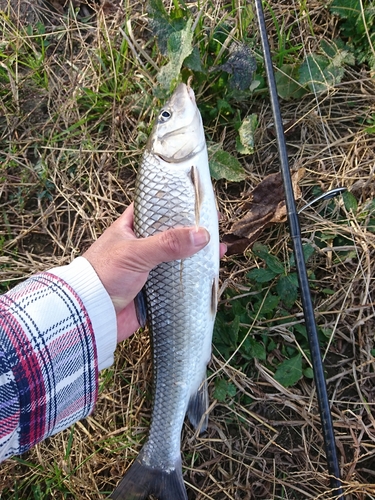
{"x":357,"y":27}
{"x":77,"y":105}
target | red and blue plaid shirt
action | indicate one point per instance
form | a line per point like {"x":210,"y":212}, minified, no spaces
{"x":50,"y":333}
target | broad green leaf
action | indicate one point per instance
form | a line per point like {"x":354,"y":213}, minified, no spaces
{"x":274,"y":264}
{"x":179,"y":47}
{"x":261,"y":275}
{"x":327,"y":332}
{"x":288,"y":86}
{"x":253,"y":349}
{"x":245,"y":141}
{"x":308,"y":372}
{"x":224,"y":389}
{"x":271,"y":261}
{"x":241,"y":65}
{"x":338,"y":53}
{"x":225,"y":336}
{"x":350,"y":202}
{"x":194,"y":62}
{"x":320,"y":73}
{"x":301,"y":329}
{"x":260,"y":250}
{"x":269,"y":304}
{"x":346,"y":8}
{"x":289,"y":371}
{"x":287,"y":290}
{"x":312,"y":73}
{"x":308,"y":251}
{"x":224,"y":166}
{"x":163,"y":24}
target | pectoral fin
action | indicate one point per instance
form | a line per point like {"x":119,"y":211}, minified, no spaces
{"x":198,"y":193}
{"x":214,"y":296}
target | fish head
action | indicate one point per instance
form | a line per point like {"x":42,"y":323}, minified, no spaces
{"x":178,"y":133}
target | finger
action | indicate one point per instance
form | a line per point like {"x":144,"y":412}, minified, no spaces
{"x":222,"y":250}
{"x":127,"y":218}
{"x":173,"y":244}
{"x":127,"y":322}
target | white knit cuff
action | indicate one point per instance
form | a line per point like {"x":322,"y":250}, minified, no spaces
{"x":81,"y":276}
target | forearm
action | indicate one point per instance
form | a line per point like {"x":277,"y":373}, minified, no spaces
{"x":57,"y":329}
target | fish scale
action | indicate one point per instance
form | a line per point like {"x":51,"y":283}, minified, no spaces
{"x":173,"y":188}
{"x":172,"y":291}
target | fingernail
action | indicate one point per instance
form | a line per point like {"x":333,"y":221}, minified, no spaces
{"x":200,"y":236}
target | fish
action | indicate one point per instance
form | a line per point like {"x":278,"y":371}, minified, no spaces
{"x":174,"y":189}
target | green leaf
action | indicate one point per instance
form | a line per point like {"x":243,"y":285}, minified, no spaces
{"x":269,"y":304}
{"x":346,"y":8}
{"x":308,"y":372}
{"x":338,"y":53}
{"x":287,"y":290}
{"x":320,"y":72}
{"x":179,"y":47}
{"x":253,"y":349}
{"x":289,"y":371}
{"x":260,"y":250}
{"x":262,"y":275}
{"x":301,"y":330}
{"x":225,"y":335}
{"x":223,"y":389}
{"x":224,"y":166}
{"x":271,"y":260}
{"x":350,"y":202}
{"x":241,"y":65}
{"x":308,"y":251}
{"x":245,"y":141}
{"x":274,"y":264}
{"x":288,"y":86}
{"x":162,"y":24}
{"x":194,"y":62}
{"x":312,"y":73}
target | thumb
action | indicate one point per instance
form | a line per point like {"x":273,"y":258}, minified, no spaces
{"x":173,"y":244}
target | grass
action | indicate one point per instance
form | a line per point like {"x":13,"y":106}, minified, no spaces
{"x":78,"y":97}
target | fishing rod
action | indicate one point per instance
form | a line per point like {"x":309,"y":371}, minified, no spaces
{"x":307,"y":305}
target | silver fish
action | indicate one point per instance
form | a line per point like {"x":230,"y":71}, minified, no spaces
{"x":174,"y":188}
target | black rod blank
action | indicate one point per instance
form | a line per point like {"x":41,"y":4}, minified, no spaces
{"x":295,"y":232}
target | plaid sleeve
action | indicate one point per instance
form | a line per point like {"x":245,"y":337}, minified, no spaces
{"x":48,"y":359}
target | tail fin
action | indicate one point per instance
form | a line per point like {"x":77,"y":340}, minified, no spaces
{"x":141,"y":481}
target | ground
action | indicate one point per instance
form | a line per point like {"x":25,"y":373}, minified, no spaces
{"x":78,"y":88}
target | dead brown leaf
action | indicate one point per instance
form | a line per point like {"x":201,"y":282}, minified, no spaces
{"x":265,"y":205}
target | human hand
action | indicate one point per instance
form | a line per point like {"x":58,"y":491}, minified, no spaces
{"x":122,"y":261}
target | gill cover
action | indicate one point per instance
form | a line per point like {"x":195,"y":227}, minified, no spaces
{"x":178,"y":132}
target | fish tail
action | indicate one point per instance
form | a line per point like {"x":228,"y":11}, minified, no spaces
{"x":140,"y":481}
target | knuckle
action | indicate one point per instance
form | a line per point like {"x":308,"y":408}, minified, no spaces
{"x":171,"y":243}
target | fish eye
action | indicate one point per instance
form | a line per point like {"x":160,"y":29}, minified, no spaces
{"x":164,"y":115}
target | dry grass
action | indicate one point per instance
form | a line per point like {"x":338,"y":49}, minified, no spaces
{"x":67,"y":171}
